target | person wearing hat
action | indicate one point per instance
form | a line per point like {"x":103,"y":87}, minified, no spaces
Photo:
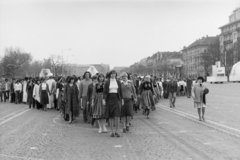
{"x":147,"y":95}
{"x":199,"y":92}
{"x":129,"y":96}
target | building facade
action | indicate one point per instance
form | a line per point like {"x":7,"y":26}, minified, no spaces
{"x":192,"y":56}
{"x":230,"y":40}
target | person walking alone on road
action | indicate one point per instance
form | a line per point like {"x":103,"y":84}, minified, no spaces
{"x":71,"y":99}
{"x":147,"y":96}
{"x":199,"y":92}
{"x":44,"y":92}
{"x":172,"y":88}
{"x":129,"y":97}
{"x":112,"y":97}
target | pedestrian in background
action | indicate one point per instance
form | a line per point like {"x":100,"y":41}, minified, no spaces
{"x":44,"y":92}
{"x":18,"y":91}
{"x":112,"y":97}
{"x":129,"y":96}
{"x":12,"y":99}
{"x":199,"y":92}
{"x":30,"y":87}
{"x":36,"y":94}
{"x":172,"y":88}
{"x":7,"y":89}
{"x":24,"y":91}
{"x":189,"y":84}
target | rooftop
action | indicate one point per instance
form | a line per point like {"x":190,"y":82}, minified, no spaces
{"x":203,"y":41}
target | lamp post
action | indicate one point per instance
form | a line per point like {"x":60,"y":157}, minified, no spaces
{"x":62,"y":57}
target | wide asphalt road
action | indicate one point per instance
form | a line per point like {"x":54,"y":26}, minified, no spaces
{"x":169,"y":133}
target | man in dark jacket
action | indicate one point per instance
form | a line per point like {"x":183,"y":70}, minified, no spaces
{"x":189,"y":87}
{"x":172,"y":90}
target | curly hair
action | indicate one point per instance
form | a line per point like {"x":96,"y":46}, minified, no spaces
{"x":84,"y":75}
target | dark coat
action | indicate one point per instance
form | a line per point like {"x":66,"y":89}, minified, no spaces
{"x":74,"y":97}
{"x":172,"y":86}
{"x":89,"y":92}
{"x":106,"y":90}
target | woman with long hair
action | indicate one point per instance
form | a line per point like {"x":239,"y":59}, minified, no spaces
{"x":97,"y":103}
{"x":71,"y":99}
{"x":147,"y":96}
{"x":112,"y":97}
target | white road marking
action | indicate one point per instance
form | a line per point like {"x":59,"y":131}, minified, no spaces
{"x":207,"y":123}
{"x":14,"y":116}
{"x":33,"y":148}
{"x":27,"y":158}
{"x":118,"y":146}
{"x":13,"y":113}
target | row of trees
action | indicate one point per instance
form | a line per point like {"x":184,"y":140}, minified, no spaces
{"x":17,"y":63}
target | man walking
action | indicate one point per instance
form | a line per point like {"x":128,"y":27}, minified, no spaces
{"x":172,"y":90}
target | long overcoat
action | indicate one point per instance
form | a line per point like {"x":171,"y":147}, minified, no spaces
{"x":71,"y":99}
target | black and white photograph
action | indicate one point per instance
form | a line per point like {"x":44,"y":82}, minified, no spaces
{"x":119,"y":79}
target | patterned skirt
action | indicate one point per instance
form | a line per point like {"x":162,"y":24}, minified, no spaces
{"x":146,"y":100}
{"x":98,"y":108}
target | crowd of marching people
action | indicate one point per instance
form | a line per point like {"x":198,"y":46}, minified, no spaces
{"x":103,"y":99}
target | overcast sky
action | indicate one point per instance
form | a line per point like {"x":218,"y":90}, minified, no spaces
{"x":113,"y":32}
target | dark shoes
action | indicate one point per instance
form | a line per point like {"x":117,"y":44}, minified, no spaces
{"x":117,"y":135}
{"x":127,"y":128}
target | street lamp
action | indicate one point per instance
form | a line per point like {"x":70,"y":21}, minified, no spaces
{"x":62,"y":57}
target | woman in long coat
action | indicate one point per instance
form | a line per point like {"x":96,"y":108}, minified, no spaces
{"x":71,"y":97}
